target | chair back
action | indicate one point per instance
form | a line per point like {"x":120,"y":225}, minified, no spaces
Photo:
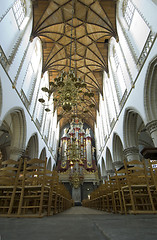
{"x":152,"y":164}
{"x":9,"y":172}
{"x":34,"y":172}
{"x":135,"y":172}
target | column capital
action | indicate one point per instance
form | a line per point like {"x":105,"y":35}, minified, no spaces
{"x":131,"y":153}
{"x":15,"y":153}
{"x":152,"y":126}
{"x":110,"y":171}
{"x":104,"y":177}
{"x":117,"y":164}
{"x":15,"y":150}
{"x":131,"y":150}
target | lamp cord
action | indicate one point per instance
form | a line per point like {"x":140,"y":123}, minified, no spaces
{"x":71,"y":31}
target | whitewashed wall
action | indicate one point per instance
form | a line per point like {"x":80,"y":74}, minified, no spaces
{"x":135,"y":60}
{"x":20,"y":87}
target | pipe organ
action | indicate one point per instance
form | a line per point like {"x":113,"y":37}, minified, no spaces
{"x":76,"y":163}
{"x":76,"y":147}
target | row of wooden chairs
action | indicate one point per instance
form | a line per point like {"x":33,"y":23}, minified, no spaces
{"x":28,"y":189}
{"x":133,"y":189}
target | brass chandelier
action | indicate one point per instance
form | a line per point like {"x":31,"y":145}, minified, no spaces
{"x":74,"y":153}
{"x":69,"y":92}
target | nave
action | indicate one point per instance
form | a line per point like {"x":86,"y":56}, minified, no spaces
{"x":80,"y":223}
{"x":78,"y":88}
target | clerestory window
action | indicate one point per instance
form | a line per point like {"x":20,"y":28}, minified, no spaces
{"x":138,"y":29}
{"x":128,"y":11}
{"x":121,"y":82}
{"x":19,"y":9}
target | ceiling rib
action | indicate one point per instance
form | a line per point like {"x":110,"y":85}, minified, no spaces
{"x":94,"y":23}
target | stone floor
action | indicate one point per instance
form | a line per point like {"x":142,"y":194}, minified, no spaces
{"x":79,"y":223}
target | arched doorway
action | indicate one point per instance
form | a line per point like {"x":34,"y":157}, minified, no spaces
{"x":13,"y":134}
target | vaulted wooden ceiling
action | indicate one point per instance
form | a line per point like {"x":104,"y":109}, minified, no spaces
{"x":76,"y":33}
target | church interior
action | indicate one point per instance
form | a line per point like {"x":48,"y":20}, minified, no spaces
{"x":78,"y":119}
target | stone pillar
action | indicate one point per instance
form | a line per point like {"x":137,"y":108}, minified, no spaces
{"x":118,"y":164}
{"x":131,"y":153}
{"x":15,"y":153}
{"x":103,"y":179}
{"x":152,"y":128}
{"x":110,"y":172}
{"x":76,"y":195}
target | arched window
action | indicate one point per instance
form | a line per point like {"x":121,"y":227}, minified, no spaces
{"x":31,"y":74}
{"x":109,"y":101}
{"x":119,"y":73}
{"x":128,"y":11}
{"x":118,"y":77}
{"x":12,"y":21}
{"x":100,"y":130}
{"x":19,"y":9}
{"x":97,"y":140}
{"x":47,"y":127}
{"x":28,"y":81}
{"x":104,"y":118}
{"x":44,"y":82}
{"x":138,"y":29}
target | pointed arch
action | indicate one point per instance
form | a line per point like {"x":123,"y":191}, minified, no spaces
{"x":131,"y":121}
{"x":135,"y":132}
{"x":150,"y":89}
{"x":32,"y":147}
{"x":118,"y":155}
{"x":49,"y":164}
{"x":14,"y":123}
{"x":103,"y":168}
{"x":43,"y":154}
{"x":109,"y":162}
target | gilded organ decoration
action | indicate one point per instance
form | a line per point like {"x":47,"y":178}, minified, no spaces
{"x":76,"y":154}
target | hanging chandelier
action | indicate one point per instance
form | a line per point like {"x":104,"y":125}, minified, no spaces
{"x":67,"y":89}
{"x":73,"y":152}
{"x":69,"y":92}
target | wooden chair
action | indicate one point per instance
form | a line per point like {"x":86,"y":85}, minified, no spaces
{"x":48,"y":183}
{"x":105,"y":196}
{"x":120,"y":177}
{"x":9,"y":187}
{"x":112,"y":186}
{"x":93,"y":200}
{"x":97,"y":198}
{"x":136,"y":193}
{"x":100,"y":197}
{"x":59,"y":197}
{"x":152,"y":172}
{"x":34,"y":189}
{"x":53,"y":203}
{"x":67,"y":201}
{"x":65,"y":198}
{"x":86,"y":203}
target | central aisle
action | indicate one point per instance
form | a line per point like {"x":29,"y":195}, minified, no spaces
{"x":79,"y":223}
{"x":82,"y":210}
